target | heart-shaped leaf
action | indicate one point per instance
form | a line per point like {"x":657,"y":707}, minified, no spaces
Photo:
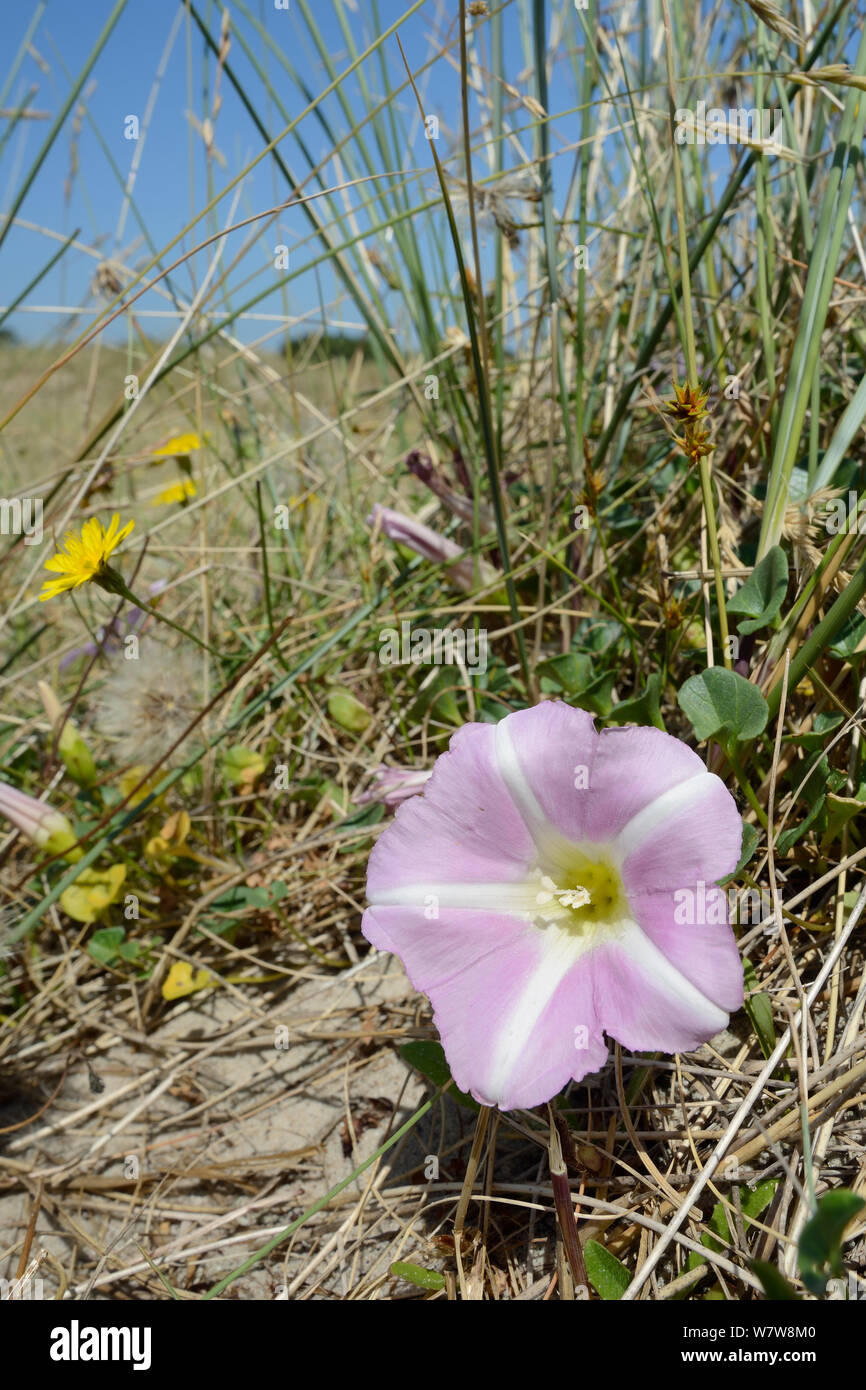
{"x":761,"y":597}
{"x":643,"y":708}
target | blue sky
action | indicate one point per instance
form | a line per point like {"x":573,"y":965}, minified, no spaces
{"x":171,"y":181}
{"x":77,"y":187}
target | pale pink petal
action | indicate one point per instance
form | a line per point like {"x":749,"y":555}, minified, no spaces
{"x":645,"y":1002}
{"x":546,"y":755}
{"x":632,"y":769}
{"x":463,"y":828}
{"x":454,"y":886}
{"x":406,"y":530}
{"x":691,"y":832}
{"x":513,"y":1008}
{"x":704,"y":951}
{"x":589,"y":786}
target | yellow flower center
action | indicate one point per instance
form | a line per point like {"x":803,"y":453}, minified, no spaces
{"x":582,"y":895}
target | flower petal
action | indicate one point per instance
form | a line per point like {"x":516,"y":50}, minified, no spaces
{"x":538,"y":751}
{"x":513,"y":1005}
{"x":691,"y":832}
{"x":705,"y":952}
{"x":645,"y":1002}
{"x":589,"y":785}
{"x":463,"y":829}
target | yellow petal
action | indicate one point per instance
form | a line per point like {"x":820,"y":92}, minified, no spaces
{"x":181,"y":980}
{"x":178,"y":444}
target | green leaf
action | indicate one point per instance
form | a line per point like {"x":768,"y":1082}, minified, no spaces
{"x":429,"y":1059}
{"x":346,"y":710}
{"x":242,"y":766}
{"x":239,"y":898}
{"x":608,"y":1276}
{"x":104,"y":945}
{"x":718,"y":701}
{"x":596,"y":697}
{"x":753,"y":1200}
{"x":439,"y":698}
{"x":775,"y":1284}
{"x":841,"y":809}
{"x":760,"y":1011}
{"x":235,"y":902}
{"x":416,"y":1274}
{"x":817,"y":737}
{"x":643,"y":708}
{"x":763,"y":593}
{"x":820,"y":1248}
{"x":335,"y":798}
{"x":365,"y":815}
{"x":796,"y":832}
{"x":568,"y":672}
{"x":849,"y":640}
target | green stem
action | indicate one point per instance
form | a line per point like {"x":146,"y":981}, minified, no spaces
{"x":748,"y":789}
{"x":119,"y":587}
{"x":821,"y":635}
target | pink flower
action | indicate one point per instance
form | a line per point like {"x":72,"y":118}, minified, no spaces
{"x":405,"y":530}
{"x":535,"y":890}
{"x":391,"y":785}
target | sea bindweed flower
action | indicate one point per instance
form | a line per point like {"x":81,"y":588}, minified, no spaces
{"x":85,"y":558}
{"x":530,"y":893}
{"x":406,"y":530}
{"x":392,"y":785}
{"x":41,"y":824}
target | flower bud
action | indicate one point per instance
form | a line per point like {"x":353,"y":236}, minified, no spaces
{"x":41,"y":824}
{"x":74,"y":752}
{"x":347,"y":711}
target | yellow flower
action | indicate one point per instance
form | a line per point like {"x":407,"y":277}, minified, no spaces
{"x":178,"y":492}
{"x":85,"y":556}
{"x":178,"y":444}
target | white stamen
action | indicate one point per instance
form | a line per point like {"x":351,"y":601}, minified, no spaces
{"x":567,"y":897}
{"x":574,"y":897}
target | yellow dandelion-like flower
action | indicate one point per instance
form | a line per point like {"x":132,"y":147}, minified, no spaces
{"x":178,"y":444}
{"x":178,"y":492}
{"x":85,"y":557}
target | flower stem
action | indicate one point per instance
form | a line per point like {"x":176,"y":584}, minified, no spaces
{"x":119,"y":587}
{"x":691,"y":356}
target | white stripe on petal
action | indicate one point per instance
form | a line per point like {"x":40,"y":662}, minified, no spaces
{"x":511,"y":773}
{"x":683,"y":796}
{"x":550,"y":842}
{"x":558,"y":952}
{"x":663,"y":974}
{"x":491,"y":897}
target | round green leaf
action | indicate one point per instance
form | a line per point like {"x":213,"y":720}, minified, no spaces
{"x":719,"y":700}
